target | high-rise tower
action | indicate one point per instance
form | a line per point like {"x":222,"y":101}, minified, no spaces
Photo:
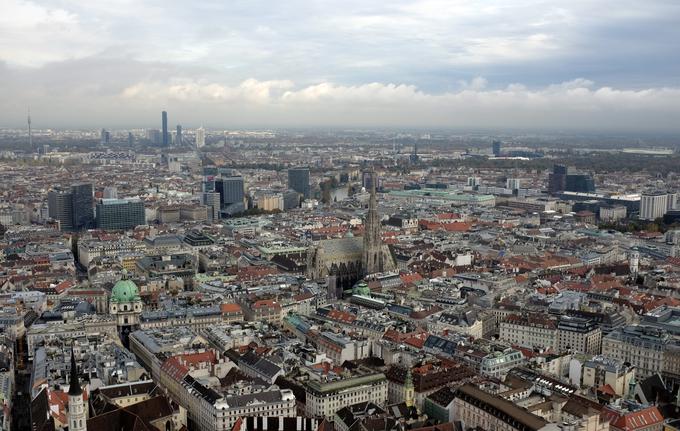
{"x":200,"y":137}
{"x":298,"y":180}
{"x":77,"y":416}
{"x":164,"y":120}
{"x":372,"y":261}
{"x":30,"y":132}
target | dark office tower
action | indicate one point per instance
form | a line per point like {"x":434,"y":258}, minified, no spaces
{"x":557,"y":180}
{"x":581,"y":183}
{"x":413,"y":158}
{"x":496,"y":147}
{"x":119,"y":214}
{"x":131,"y":138}
{"x":105,"y":137}
{"x":210,"y":171}
{"x":208,"y":185}
{"x":60,"y":208}
{"x":367,"y":179}
{"x":178,"y":139}
{"x":164,"y":119}
{"x":298,"y":180}
{"x":230,"y":190}
{"x":83,"y":211}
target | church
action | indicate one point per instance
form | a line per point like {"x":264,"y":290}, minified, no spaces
{"x":125,"y":306}
{"x":345,"y":261}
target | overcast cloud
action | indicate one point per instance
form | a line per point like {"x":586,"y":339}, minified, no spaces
{"x":600,"y":64}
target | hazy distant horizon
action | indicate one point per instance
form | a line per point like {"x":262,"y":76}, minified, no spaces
{"x":579,"y":67}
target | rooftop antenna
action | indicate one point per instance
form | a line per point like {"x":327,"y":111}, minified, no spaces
{"x":30,"y":132}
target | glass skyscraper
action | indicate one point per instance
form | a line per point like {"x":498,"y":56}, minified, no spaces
{"x":164,"y":119}
{"x":298,"y":180}
{"x":83,"y":211}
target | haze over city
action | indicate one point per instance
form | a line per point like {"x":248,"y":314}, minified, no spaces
{"x":582,"y":65}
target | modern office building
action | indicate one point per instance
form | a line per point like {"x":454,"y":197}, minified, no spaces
{"x":72,"y":208}
{"x":513,"y":184}
{"x":557,"y":180}
{"x":200,"y":137}
{"x":580,"y":183}
{"x":291,"y":199}
{"x":298,"y":180}
{"x":110,"y":192}
{"x":117,"y":214}
{"x":653,"y":205}
{"x":178,"y":136}
{"x":367,"y":178}
{"x":230,"y":190}
{"x":164,"y":119}
{"x":104,"y":137}
{"x":154,"y":136}
{"x":578,"y":334}
{"x":60,"y":208}
{"x":83,"y":206}
{"x":212,"y":201}
{"x":496,"y":148}
{"x":612,"y":212}
{"x":560,"y":180}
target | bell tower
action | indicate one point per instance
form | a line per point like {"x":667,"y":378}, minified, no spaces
{"x":77,"y":415}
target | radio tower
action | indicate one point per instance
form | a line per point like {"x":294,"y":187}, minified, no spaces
{"x":30,"y":133}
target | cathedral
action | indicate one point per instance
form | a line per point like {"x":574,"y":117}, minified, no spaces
{"x":344,"y":261}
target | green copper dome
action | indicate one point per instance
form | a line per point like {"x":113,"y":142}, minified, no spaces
{"x":125,"y":290}
{"x":362,"y":289}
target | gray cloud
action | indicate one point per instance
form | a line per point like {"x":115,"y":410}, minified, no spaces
{"x":399,"y":63}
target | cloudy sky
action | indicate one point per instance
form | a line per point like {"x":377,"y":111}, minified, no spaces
{"x":567,"y":65}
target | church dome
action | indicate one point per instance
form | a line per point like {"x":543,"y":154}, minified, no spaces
{"x":362,"y":289}
{"x":125,"y":290}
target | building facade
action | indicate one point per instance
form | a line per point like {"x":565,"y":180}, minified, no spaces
{"x":298,"y":180}
{"x":120,"y":214}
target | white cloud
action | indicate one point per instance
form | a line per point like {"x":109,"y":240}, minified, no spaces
{"x":32,"y":34}
{"x":402,"y":62}
{"x":576,"y":104}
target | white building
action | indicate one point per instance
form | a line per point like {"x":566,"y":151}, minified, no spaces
{"x":612,"y":212}
{"x":653,"y":205}
{"x":200,"y":137}
{"x":529,"y":331}
{"x":215,"y":411}
{"x":513,"y":183}
{"x":326,"y":398}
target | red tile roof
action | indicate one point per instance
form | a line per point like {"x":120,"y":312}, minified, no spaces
{"x":641,"y":419}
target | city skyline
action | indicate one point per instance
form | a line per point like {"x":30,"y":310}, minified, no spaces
{"x":523,"y":65}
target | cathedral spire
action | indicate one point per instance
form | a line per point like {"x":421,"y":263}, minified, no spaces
{"x":372,"y":256}
{"x":74,"y":383}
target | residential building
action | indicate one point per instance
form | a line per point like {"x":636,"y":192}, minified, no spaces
{"x":325,"y":397}
{"x":479,"y":409}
